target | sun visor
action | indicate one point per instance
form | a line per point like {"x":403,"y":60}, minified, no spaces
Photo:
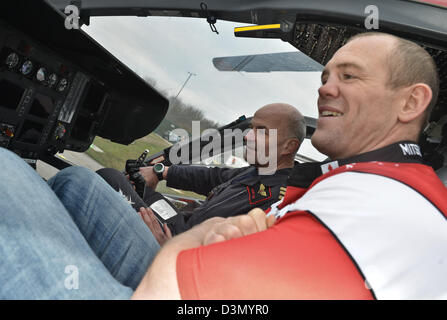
{"x":420,"y":21}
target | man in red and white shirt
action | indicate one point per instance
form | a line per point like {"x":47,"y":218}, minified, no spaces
{"x":371,"y":223}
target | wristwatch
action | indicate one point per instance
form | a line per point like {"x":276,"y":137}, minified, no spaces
{"x":159,"y":168}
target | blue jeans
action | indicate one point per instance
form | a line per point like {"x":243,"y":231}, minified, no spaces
{"x":73,"y":238}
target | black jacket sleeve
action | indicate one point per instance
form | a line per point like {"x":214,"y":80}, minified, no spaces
{"x":199,"y":179}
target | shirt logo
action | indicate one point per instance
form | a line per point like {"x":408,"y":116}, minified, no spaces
{"x":410,"y":149}
{"x":128,"y":199}
{"x":325,"y":168}
{"x":262,"y":193}
{"x":261,"y":190}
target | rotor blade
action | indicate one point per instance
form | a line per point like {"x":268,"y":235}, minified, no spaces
{"x":269,"y":62}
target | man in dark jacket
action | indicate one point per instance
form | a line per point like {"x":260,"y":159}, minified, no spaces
{"x":229,"y":191}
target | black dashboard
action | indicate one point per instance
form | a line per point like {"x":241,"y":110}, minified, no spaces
{"x":59,"y":88}
{"x":47,"y":103}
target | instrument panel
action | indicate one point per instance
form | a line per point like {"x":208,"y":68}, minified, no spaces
{"x":47,"y":104}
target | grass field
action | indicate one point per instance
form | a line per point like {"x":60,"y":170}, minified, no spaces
{"x":114,"y":155}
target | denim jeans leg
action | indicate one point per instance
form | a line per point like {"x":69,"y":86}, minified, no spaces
{"x":43,"y":254}
{"x":112,"y":228}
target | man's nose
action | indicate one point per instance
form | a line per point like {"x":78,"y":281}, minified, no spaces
{"x":329,"y":88}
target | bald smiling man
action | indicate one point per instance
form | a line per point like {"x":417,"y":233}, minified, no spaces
{"x":229,"y":191}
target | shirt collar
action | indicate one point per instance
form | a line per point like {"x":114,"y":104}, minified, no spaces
{"x":303,"y":174}
{"x":269,"y":180}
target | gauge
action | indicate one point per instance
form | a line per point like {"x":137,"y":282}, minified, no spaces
{"x":27,"y":67}
{"x":52,"y":79}
{"x":12,"y":60}
{"x":62,"y":85}
{"x":41,"y":75}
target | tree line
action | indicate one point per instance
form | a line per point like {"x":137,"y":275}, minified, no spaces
{"x":181,"y":115}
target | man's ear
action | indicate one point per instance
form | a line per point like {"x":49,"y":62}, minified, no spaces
{"x":292,"y":146}
{"x":417,"y":100}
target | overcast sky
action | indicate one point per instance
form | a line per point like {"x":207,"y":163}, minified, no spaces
{"x":166,"y":49}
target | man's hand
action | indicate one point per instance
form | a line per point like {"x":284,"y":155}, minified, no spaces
{"x":238,"y":226}
{"x":162,"y":235}
{"x":149,"y":176}
{"x":160,"y":282}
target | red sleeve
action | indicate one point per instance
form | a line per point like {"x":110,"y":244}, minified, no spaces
{"x":298,"y":258}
